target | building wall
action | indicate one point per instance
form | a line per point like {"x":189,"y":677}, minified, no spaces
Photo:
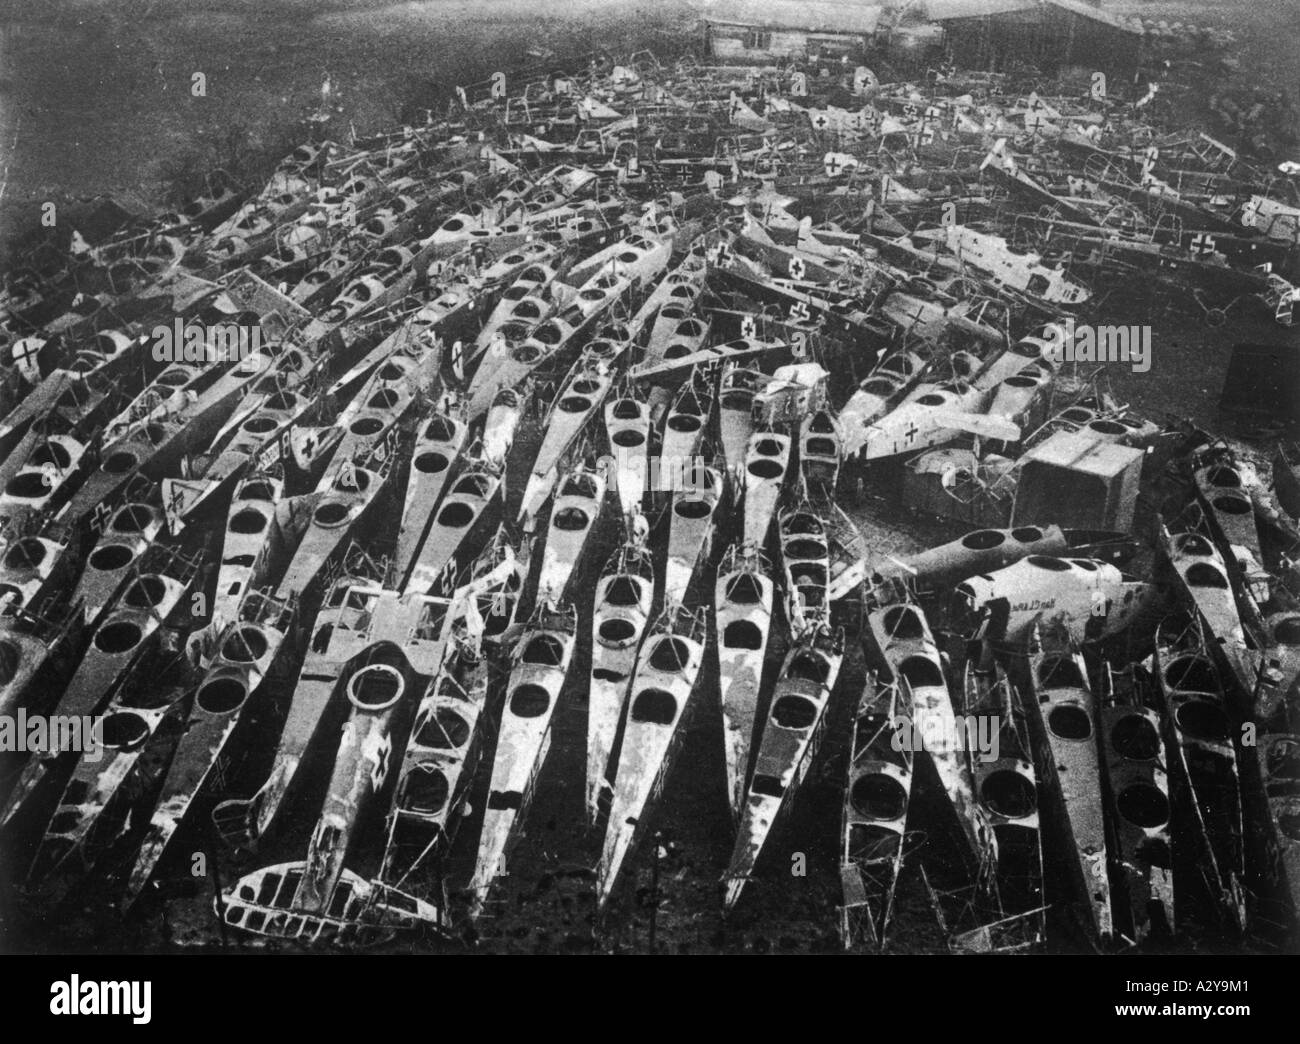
{"x":990,"y":42}
{"x":1049,"y":36}
{"x":1074,"y":40}
{"x":728,"y":42}
{"x":1052,"y":38}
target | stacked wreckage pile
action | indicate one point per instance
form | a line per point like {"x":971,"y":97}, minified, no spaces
{"x":321,"y":497}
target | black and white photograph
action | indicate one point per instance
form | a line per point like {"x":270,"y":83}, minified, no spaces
{"x":594,"y":477}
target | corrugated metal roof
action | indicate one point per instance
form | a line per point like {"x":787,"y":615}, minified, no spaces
{"x":826,"y":16}
{"x":1094,"y":14}
{"x":947,"y":10}
{"x":943,"y":10}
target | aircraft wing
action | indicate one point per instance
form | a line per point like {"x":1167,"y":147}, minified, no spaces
{"x":981,"y":424}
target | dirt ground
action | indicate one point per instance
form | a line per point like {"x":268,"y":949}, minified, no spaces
{"x":95,"y":100}
{"x":96,"y":94}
